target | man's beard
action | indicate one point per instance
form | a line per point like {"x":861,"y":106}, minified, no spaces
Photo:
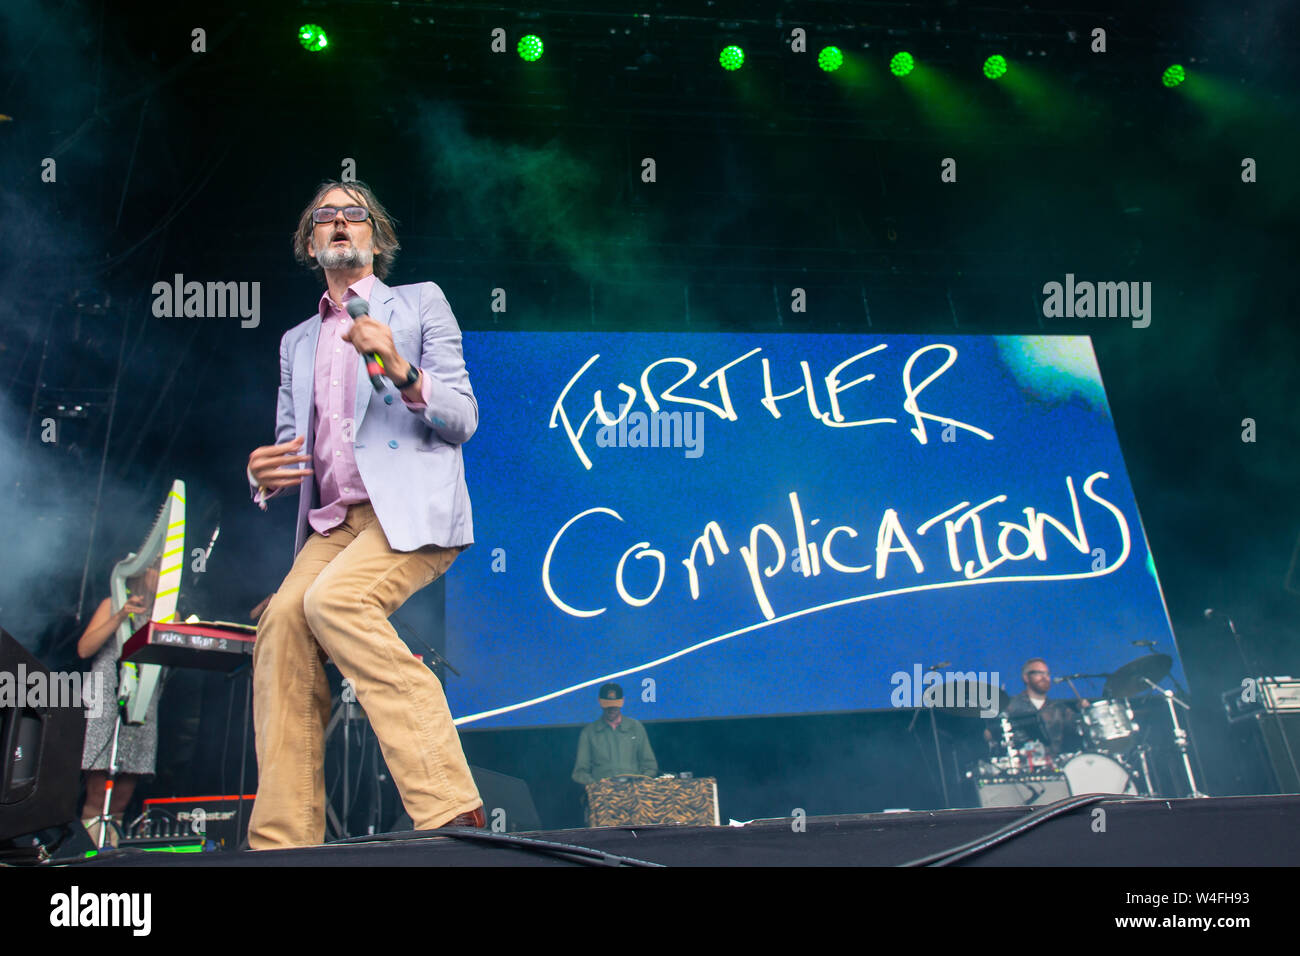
{"x":349,"y":258}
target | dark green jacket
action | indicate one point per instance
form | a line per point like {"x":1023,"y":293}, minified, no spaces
{"x":605,"y":751}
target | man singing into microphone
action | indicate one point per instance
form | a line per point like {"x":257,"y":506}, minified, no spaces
{"x":383,"y":511}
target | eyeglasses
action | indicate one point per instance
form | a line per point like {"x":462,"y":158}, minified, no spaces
{"x":1032,"y":673}
{"x":350,"y":213}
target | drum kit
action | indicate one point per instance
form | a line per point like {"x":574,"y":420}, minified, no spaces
{"x":1098,"y":744}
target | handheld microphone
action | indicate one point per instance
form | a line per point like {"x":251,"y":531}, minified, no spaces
{"x":374,"y":365}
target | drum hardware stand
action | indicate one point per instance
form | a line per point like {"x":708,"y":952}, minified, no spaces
{"x":1142,"y":748}
{"x":375,"y":825}
{"x":1142,"y":759}
{"x":1180,"y":735}
{"x":347,"y":713}
{"x":243,"y":749}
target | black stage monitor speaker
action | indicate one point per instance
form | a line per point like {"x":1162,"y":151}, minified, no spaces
{"x":507,"y":799}
{"x":507,"y":802}
{"x":40,"y":744}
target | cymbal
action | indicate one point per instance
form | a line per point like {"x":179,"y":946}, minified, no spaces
{"x":1129,"y":681}
{"x":971,"y":693}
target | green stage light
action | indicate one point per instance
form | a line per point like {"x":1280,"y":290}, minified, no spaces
{"x":995,"y":66}
{"x":312,"y":38}
{"x":731,"y":57}
{"x":530,"y":48}
{"x":1173,"y":76}
{"x":902,"y":64}
{"x":830,"y":59}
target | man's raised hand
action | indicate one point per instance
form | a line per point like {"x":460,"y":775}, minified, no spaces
{"x":269,"y":465}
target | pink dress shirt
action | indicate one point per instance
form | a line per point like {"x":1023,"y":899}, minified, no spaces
{"x":334,"y":463}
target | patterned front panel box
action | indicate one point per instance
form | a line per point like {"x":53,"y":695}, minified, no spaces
{"x":618,"y":802}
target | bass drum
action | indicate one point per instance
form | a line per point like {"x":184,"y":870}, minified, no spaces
{"x":1097,"y":773}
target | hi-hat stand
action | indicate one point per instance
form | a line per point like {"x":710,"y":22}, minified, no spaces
{"x":1180,"y":735}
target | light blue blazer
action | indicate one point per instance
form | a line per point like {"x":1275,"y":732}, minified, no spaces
{"x":409,"y":459}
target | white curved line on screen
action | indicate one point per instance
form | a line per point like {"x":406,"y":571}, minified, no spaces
{"x":1124,"y":533}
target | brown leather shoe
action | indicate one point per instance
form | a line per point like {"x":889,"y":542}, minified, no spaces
{"x":474,"y":818}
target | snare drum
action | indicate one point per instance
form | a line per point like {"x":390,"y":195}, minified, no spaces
{"x":1109,"y":725}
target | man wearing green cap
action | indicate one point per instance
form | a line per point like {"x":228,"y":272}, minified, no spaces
{"x":614,"y":745}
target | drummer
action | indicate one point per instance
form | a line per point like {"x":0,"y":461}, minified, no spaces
{"x":1054,"y":722}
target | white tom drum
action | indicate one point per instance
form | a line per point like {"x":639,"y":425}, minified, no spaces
{"x":1109,"y":725}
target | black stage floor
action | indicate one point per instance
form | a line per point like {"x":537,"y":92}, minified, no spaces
{"x":1222,"y":831}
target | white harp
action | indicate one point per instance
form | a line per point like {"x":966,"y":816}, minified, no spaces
{"x":165,"y":547}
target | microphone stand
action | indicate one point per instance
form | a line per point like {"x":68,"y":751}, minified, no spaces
{"x":1258,"y":673}
{"x":105,"y":819}
{"x":934,"y":732}
{"x":938,"y":756}
{"x":1241,"y":651}
{"x":438,"y":659}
